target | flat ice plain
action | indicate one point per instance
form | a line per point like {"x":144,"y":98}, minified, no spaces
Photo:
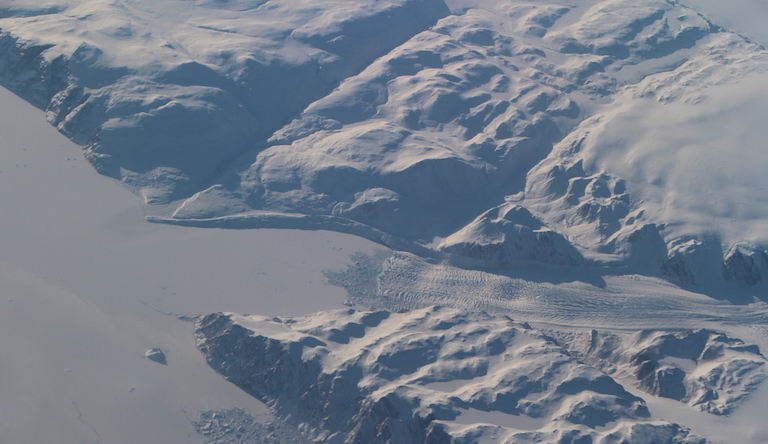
{"x":84,"y":279}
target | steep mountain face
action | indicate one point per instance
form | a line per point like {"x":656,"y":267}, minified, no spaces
{"x":437,"y":375}
{"x":497,"y":131}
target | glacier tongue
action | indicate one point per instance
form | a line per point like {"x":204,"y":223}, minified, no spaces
{"x":434,"y":375}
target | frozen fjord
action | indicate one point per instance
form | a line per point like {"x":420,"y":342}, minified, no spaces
{"x":84,"y":279}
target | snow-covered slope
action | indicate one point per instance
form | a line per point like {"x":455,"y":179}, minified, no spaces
{"x":163,"y":95}
{"x":592,"y":167}
{"x":442,"y":375}
{"x":422,"y":122}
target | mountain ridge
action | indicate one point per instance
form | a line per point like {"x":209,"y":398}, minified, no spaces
{"x":457,"y":110}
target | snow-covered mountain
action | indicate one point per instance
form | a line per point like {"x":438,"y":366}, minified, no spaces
{"x":591,"y":169}
{"x":440,"y":375}
{"x":500,"y":131}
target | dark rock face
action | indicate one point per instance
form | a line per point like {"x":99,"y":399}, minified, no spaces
{"x":27,"y":73}
{"x":156,"y":355}
{"x":689,"y":260}
{"x":746,"y":263}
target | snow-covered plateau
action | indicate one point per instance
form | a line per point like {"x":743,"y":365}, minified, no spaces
{"x":549,"y":218}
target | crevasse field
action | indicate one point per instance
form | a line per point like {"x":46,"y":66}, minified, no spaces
{"x":383,"y":221}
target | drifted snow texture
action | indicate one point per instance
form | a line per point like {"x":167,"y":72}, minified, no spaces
{"x":419,"y":377}
{"x":498,"y":127}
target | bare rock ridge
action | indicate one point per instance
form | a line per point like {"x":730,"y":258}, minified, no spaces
{"x":421,"y":120}
{"x":421,"y":377}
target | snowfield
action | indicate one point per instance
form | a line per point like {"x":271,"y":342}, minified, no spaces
{"x":556,"y":212}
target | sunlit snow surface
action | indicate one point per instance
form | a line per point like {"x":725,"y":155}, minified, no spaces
{"x":418,"y":121}
{"x":603,"y":139}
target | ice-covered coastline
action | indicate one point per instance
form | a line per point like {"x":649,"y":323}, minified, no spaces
{"x":593,"y":170}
